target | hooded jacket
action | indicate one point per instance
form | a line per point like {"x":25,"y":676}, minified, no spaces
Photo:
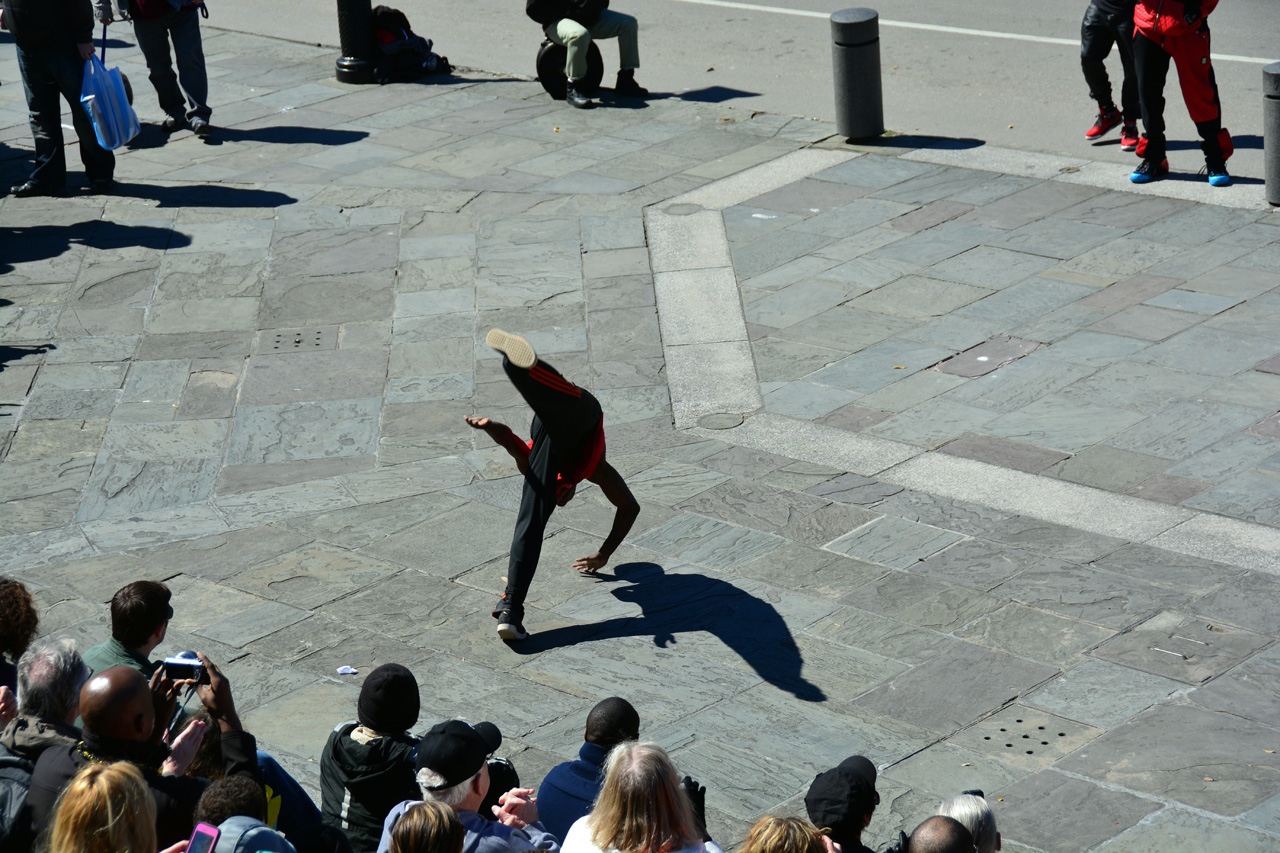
{"x":27,"y":736}
{"x":1157,"y":19}
{"x":362,"y":780}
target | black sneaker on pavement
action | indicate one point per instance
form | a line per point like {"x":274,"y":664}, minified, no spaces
{"x":173,"y":124}
{"x":509,"y":627}
{"x":517,"y":350}
{"x":201,"y":127}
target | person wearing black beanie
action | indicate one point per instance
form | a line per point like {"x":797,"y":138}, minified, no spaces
{"x":368,"y":764}
{"x":389,"y":701}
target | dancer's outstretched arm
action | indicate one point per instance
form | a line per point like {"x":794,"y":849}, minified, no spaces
{"x":504,"y":438}
{"x":628,"y":509}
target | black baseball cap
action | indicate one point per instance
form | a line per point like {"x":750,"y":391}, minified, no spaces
{"x":457,"y":750}
{"x":839,"y":798}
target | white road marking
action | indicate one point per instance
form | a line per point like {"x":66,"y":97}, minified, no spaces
{"x":938,"y":28}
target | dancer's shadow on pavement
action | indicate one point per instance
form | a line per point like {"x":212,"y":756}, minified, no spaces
{"x":675,"y":604}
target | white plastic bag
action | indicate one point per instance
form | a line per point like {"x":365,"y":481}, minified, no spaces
{"x":104,"y":98}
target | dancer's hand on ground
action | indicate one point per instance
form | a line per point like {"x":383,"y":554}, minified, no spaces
{"x":477,"y":423}
{"x":591,"y":563}
{"x":517,"y":808}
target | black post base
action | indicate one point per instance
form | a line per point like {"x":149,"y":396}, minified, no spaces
{"x":351,"y":69}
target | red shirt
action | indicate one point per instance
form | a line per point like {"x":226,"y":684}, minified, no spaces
{"x":586,"y":464}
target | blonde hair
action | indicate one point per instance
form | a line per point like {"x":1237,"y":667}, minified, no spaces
{"x":783,"y":835}
{"x":641,"y":807}
{"x":428,"y":827}
{"x":106,"y":808}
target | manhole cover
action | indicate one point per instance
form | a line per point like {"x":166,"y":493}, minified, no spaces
{"x":720,"y":421}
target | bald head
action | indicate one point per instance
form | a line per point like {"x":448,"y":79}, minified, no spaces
{"x":940,"y":835}
{"x":116,"y":703}
{"x":611,"y":722}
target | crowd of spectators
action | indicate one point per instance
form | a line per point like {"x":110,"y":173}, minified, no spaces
{"x":97,"y":756}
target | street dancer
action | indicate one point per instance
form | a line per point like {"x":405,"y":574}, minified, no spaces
{"x":567,"y":447}
{"x":1108,"y":22}
{"x":1177,"y":30}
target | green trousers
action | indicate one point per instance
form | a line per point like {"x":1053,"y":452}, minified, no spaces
{"x":577,"y":38}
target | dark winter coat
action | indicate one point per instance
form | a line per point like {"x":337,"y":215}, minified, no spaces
{"x":360,"y":783}
{"x":175,"y":796}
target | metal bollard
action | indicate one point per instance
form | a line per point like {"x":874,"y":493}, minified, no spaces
{"x":1271,"y":130}
{"x":355,"y":31}
{"x":855,"y":53}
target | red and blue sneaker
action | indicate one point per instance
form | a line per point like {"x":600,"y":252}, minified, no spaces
{"x":1149,"y":170}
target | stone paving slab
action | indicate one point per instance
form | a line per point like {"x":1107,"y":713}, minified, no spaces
{"x":816,"y":581}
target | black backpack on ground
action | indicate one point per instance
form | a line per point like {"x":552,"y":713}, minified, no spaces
{"x":402,"y":56}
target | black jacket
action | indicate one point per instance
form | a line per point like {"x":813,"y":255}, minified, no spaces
{"x":585,"y":12}
{"x":175,"y":796}
{"x":360,"y":783}
{"x":34,"y":21}
{"x":15,"y":817}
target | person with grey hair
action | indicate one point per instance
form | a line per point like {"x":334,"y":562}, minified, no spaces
{"x":452,"y":769}
{"x":50,"y":675}
{"x":972,"y":810}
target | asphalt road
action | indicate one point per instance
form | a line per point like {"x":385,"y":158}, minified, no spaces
{"x":775,"y":55}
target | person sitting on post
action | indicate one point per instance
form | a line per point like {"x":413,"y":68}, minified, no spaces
{"x":573,"y":24}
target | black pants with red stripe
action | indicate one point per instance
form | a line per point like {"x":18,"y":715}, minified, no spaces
{"x":564,"y":423}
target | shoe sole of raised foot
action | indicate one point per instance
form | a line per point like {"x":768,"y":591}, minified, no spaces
{"x":509,"y":632}
{"x":517,"y":349}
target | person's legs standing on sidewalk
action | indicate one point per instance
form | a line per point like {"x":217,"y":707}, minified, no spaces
{"x":1200,"y":93}
{"x":1130,"y":105}
{"x":40,"y":85}
{"x":1096,"y":38}
{"x":153,"y":40}
{"x":51,"y":69}
{"x":188,"y":50}
{"x":1151,"y":63}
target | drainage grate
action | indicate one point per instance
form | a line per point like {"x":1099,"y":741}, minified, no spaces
{"x":297,"y":340}
{"x":1025,"y":736}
